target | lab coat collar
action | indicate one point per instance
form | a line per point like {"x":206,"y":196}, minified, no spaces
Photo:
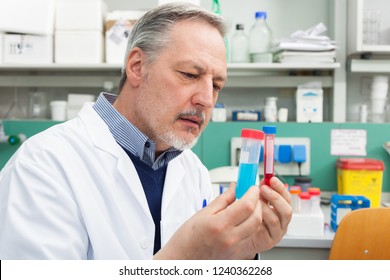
{"x":101,"y":137}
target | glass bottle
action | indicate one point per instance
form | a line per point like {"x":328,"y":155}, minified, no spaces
{"x":240,"y":45}
{"x":260,"y":39}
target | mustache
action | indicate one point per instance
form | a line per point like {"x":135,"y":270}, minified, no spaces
{"x":200,"y":114}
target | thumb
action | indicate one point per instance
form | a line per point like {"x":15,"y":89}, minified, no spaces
{"x":222,"y":201}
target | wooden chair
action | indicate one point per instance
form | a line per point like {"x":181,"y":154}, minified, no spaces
{"x":363,"y":234}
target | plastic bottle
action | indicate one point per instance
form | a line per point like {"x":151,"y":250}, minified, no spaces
{"x":260,"y":40}
{"x":270,"y":109}
{"x":249,"y":160}
{"x":315,"y":198}
{"x":240,"y":45}
{"x":295,"y":191}
{"x":269,"y":142}
{"x":305,"y":203}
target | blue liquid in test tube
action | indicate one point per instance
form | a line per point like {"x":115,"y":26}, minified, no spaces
{"x":249,"y":160}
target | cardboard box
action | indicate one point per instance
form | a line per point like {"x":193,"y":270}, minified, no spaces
{"x":80,"y":15}
{"x":78,"y":47}
{"x":118,"y":26}
{"x":27,"y":17}
{"x":27,"y":49}
{"x":309,"y":105}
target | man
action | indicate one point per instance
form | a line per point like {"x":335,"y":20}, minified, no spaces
{"x":120,"y":182}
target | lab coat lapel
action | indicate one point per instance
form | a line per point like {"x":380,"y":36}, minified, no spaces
{"x":103,"y":139}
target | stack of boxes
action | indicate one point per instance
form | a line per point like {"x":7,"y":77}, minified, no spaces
{"x":118,"y":26}
{"x":63,"y":32}
{"x":78,"y":36}
{"x":26,"y":31}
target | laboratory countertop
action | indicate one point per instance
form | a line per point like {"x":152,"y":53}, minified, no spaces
{"x":325,"y":241}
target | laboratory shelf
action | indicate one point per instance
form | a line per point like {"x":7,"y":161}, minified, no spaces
{"x":369,"y":66}
{"x":94,"y":75}
{"x":282,"y":66}
{"x":235,"y":67}
{"x":60,"y":67}
{"x":240,"y":75}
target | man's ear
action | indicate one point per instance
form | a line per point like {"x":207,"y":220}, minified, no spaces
{"x":134,"y":65}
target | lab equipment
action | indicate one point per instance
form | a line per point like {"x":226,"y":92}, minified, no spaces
{"x":38,"y":105}
{"x":349,"y":202}
{"x":360,"y":176}
{"x":378,"y":98}
{"x":58,"y":110}
{"x":15,"y":111}
{"x":315,"y":199}
{"x":249,"y":159}
{"x":295,"y":191}
{"x":304,"y":182}
{"x":309,"y":100}
{"x":283,"y":115}
{"x":246,"y":115}
{"x":269,"y":142}
{"x":260,"y":39}
{"x":305,"y":203}
{"x":270,"y":109}
{"x":363,"y":113}
{"x":219,"y":113}
{"x":11,"y":139}
{"x":240,"y":45}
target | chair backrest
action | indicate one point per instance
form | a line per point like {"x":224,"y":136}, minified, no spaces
{"x":363,"y":234}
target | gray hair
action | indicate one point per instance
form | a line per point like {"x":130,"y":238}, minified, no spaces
{"x":150,"y":33}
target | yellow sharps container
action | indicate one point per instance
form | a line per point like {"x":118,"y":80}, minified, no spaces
{"x":360,"y":176}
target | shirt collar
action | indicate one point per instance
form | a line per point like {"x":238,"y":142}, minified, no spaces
{"x":128,"y":136}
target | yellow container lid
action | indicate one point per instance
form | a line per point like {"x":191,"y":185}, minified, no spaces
{"x":360,"y":164}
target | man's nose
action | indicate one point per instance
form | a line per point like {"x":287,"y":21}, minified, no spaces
{"x":205,"y":94}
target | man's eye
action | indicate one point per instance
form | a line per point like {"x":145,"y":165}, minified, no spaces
{"x":216,"y":88}
{"x":189,"y":75}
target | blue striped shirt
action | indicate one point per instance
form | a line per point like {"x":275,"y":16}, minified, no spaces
{"x":130,"y":137}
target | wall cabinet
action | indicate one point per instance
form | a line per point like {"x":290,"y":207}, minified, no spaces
{"x":368,"y":36}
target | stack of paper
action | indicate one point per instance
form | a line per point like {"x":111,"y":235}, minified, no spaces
{"x":306,"y":47}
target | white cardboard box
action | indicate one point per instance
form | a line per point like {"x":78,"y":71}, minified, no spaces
{"x":118,"y":26}
{"x":27,"y":16}
{"x":27,"y":49}
{"x":309,"y":105}
{"x":78,"y":47}
{"x":80,"y":15}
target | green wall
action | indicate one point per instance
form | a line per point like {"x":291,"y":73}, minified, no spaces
{"x":214,"y":146}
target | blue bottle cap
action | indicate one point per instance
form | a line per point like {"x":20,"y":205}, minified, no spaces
{"x":269,"y":129}
{"x":261,"y":14}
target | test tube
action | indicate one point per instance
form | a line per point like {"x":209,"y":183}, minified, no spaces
{"x":269,"y":141}
{"x":249,"y":160}
{"x":295,"y":191}
{"x":305,"y":203}
{"x":315,"y":199}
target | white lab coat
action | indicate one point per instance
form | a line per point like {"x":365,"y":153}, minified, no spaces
{"x":72,"y":192}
